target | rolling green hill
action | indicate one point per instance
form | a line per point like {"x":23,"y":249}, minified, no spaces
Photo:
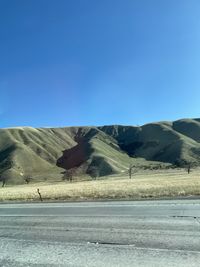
{"x":39,"y":154}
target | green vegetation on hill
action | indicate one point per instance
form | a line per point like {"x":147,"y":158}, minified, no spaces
{"x":38,"y":154}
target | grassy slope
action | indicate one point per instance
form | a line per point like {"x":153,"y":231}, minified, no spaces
{"x":163,"y":141}
{"x":27,"y":151}
{"x":32,"y":152}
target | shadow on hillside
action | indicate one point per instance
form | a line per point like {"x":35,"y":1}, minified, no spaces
{"x":75,"y":156}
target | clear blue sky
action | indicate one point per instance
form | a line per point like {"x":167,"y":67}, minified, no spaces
{"x":86,"y":62}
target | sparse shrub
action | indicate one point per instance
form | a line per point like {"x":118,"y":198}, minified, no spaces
{"x":68,"y":175}
{"x":39,"y":151}
{"x":93,"y":171}
{"x":27,"y":179}
{"x":3,"y":182}
{"x":181,"y":163}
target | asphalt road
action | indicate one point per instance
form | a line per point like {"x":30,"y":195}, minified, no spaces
{"x":120,"y":234}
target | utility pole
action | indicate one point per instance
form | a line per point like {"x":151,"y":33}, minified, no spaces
{"x":189,"y":168}
{"x":130,"y":171}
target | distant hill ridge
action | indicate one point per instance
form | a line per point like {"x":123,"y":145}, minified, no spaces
{"x":45,"y":153}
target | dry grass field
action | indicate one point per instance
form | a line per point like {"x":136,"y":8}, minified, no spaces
{"x":151,"y":184}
